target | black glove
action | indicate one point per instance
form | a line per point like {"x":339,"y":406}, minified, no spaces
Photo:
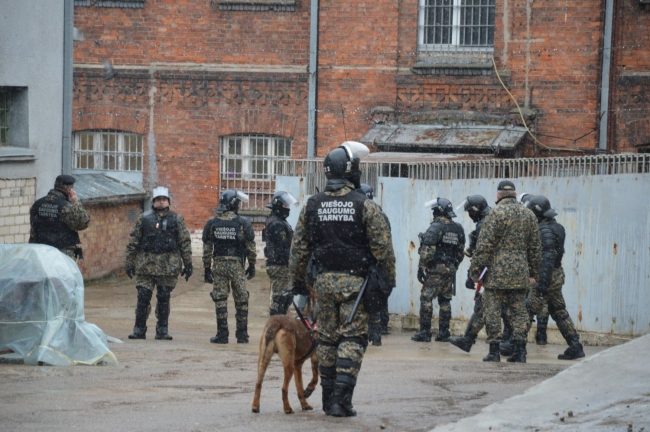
{"x":130,"y":271}
{"x":421,"y":275}
{"x":250,"y":272}
{"x":207,"y":276}
{"x":542,"y":290}
{"x":469,"y":284}
{"x":187,"y":271}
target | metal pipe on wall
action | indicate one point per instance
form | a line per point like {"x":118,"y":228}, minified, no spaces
{"x":66,"y":144}
{"x":605,"y":72}
{"x":313,"y":80}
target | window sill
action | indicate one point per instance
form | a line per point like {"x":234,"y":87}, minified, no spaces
{"x":454,"y":62}
{"x":254,"y":5}
{"x":16,"y":154}
{"x":426,"y":68}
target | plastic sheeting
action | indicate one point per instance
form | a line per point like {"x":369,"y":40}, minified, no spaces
{"x":42,"y":309}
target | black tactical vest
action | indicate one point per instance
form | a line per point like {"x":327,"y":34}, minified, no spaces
{"x":448,"y":240}
{"x":277,"y":248}
{"x":49,"y":227}
{"x":227,"y":237}
{"x":337,"y":232}
{"x":552,"y":235}
{"x":159,"y":234}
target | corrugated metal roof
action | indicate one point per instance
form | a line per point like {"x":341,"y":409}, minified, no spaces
{"x":403,"y":157}
{"x":440,"y":137}
{"x":102,"y":189}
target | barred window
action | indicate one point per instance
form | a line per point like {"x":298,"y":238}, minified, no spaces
{"x":252,"y":157}
{"x":456,"y":24}
{"x":108,"y":151}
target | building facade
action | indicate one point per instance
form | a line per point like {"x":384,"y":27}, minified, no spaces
{"x":204,"y":95}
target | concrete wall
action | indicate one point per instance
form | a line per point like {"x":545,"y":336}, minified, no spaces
{"x":31,"y":32}
{"x":607,"y":254}
{"x":31,"y":56}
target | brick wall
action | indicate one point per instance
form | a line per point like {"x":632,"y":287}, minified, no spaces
{"x":16,"y":197}
{"x":104,"y":241}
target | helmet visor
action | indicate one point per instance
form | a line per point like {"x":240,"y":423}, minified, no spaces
{"x":355,"y":149}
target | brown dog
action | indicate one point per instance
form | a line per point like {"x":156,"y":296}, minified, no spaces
{"x":293,"y":342}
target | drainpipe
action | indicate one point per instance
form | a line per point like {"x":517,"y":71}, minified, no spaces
{"x":605,"y":71}
{"x":313,"y":80}
{"x":66,"y":142}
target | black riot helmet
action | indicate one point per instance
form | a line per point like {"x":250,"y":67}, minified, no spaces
{"x":367,"y":190}
{"x":281,"y":203}
{"x":476,"y":206}
{"x":441,"y":207}
{"x":230,"y":200}
{"x":541,"y":206}
{"x":343,"y":162}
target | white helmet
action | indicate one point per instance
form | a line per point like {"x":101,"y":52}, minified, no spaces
{"x":160,"y":191}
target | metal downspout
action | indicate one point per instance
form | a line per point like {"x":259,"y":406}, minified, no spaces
{"x":313,"y":80}
{"x":605,"y":73}
{"x":66,"y":144}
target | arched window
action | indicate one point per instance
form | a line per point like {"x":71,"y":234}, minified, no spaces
{"x":107,"y":151}
{"x":252,"y":157}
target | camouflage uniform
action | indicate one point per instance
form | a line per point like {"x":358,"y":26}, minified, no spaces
{"x":441,"y":251}
{"x":549,"y":286}
{"x":228,"y":273}
{"x":278,"y":235}
{"x":341,"y":344}
{"x":509,"y":246}
{"x":55,"y":221}
{"x":159,"y":249}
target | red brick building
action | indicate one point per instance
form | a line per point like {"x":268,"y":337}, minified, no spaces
{"x":192,"y":93}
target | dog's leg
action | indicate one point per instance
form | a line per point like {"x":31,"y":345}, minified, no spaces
{"x":265,"y":355}
{"x":314,"y":375}
{"x":297,"y":374}
{"x":286,"y":350}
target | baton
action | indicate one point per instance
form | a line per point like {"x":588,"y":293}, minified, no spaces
{"x":356,"y":302}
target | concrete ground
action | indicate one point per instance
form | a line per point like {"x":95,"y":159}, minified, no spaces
{"x":189,"y":384}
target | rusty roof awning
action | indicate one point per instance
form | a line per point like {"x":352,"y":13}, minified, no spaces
{"x":102,"y":189}
{"x":439,"y":138}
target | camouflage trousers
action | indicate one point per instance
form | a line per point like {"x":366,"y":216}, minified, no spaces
{"x":556,"y":306}
{"x":514,"y":303}
{"x":150,"y":282}
{"x":281,"y":294}
{"x":440,"y":285}
{"x":229,"y":274}
{"x":477,"y":320}
{"x":341,"y":345}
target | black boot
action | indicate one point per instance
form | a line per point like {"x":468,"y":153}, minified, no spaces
{"x":540,"y":334}
{"x":162,"y":312}
{"x":342,"y":398}
{"x":222,"y":332}
{"x":443,"y":329}
{"x":141,"y":313}
{"x":424,"y":335}
{"x":493,"y":355}
{"x":241,"y":315}
{"x":463,"y":342}
{"x":327,"y":377}
{"x":385,"y":318}
{"x":519,"y":353}
{"x":374,"y":333}
{"x":574,"y":351}
{"x":507,"y":347}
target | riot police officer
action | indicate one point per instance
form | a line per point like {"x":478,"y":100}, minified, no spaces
{"x":228,"y":242}
{"x":56,"y":218}
{"x":346,"y":233}
{"x":441,"y":251}
{"x":378,"y":321}
{"x":277,"y":235}
{"x":551,"y":277}
{"x":158,"y":251}
{"x":477,"y":208}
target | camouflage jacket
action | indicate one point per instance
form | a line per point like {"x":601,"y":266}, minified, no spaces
{"x":250,"y":252}
{"x":509,"y":246}
{"x":377,"y":229}
{"x":159,"y":264}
